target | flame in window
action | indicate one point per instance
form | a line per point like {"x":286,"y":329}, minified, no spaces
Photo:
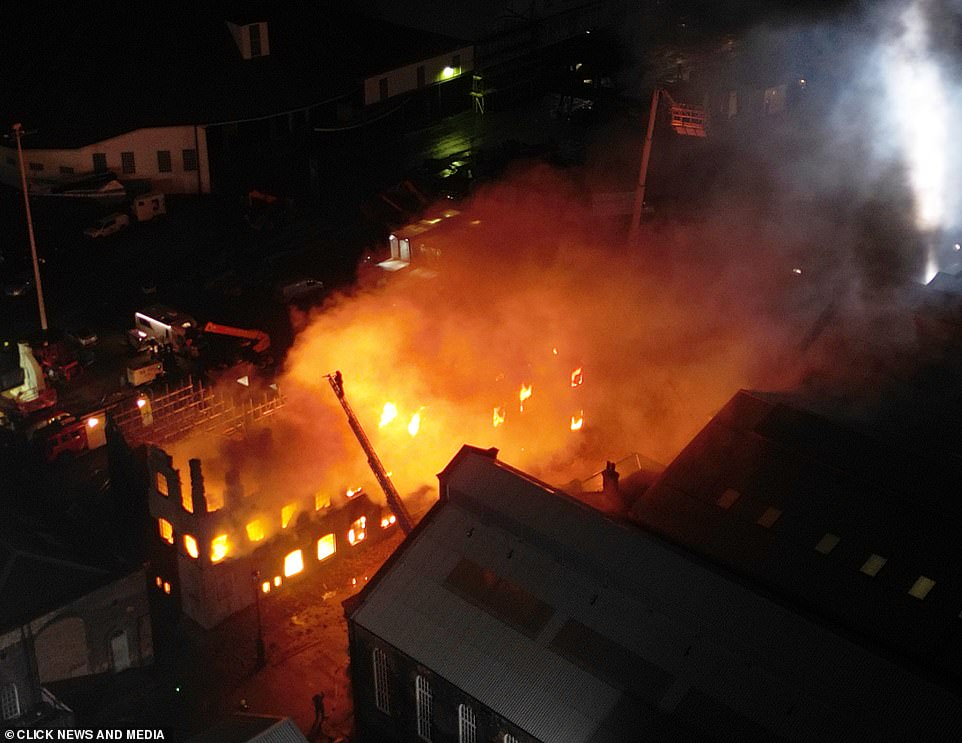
{"x":190,"y":544}
{"x":358,"y":531}
{"x":326,"y":547}
{"x":218,"y":548}
{"x":578,"y":421}
{"x":166,"y":530}
{"x":255,"y":530}
{"x":293,"y":563}
{"x":577,"y":377}
{"x":498,"y":416}
{"x":287,"y":513}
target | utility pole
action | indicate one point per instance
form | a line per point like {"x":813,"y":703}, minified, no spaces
{"x":261,"y":652}
{"x":643,"y":171}
{"x":18,"y":133}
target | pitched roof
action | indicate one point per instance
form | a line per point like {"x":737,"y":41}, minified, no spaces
{"x":37,"y":578}
{"x":251,"y":729}
{"x":575,"y":627}
{"x":107,"y":68}
{"x":800,"y":504}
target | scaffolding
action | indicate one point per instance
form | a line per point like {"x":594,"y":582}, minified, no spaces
{"x":162,"y":416}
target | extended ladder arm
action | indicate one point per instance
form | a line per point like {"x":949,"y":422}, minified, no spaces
{"x":390,"y":492}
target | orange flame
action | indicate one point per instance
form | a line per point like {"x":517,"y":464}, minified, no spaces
{"x":388,"y":414}
{"x":577,"y":378}
{"x":578,"y":421}
{"x":524,"y":394}
{"x":218,"y":548}
{"x":498,"y":416}
{"x":415,"y":425}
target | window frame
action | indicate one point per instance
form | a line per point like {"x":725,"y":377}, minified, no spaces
{"x":382,"y":689}
{"x":128,"y":163}
{"x":165,"y":163}
{"x":10,"y":702}
{"x":424,"y":703}
{"x":467,"y":724}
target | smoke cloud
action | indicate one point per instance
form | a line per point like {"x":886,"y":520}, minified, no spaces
{"x":779,"y":264}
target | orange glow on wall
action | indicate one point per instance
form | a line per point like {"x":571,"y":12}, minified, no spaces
{"x":326,"y":547}
{"x":293,"y":563}
{"x":218,"y":548}
{"x":215,"y":500}
{"x":287,"y":513}
{"x":255,"y":530}
{"x":166,"y":530}
{"x":357,"y":532}
{"x":190,"y":544}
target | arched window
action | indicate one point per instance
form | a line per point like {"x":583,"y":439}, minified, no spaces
{"x":467,"y":728}
{"x":423,"y":693}
{"x":382,"y":696}
{"x":508,"y":738}
{"x":9,"y":702}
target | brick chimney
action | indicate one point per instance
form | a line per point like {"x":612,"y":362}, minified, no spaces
{"x":610,"y":492}
{"x":197,"y":487}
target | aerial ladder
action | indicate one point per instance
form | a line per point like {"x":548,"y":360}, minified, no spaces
{"x":260,"y":340}
{"x":390,"y":492}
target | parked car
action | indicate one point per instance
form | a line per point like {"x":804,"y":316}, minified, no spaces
{"x":83,"y":337}
{"x":291,"y":291}
{"x":108,"y":225}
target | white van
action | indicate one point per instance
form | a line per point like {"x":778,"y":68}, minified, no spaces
{"x":148,"y":206}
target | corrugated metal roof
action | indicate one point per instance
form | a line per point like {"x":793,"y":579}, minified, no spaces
{"x":757,"y":661}
{"x":876,"y":498}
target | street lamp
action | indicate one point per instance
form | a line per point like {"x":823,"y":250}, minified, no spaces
{"x":261,"y":653}
{"x":18,"y":133}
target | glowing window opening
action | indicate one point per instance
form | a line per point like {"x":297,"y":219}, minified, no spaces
{"x":727,"y":499}
{"x":190,"y":544}
{"x":266,"y":586}
{"x":187,"y":500}
{"x":277,"y":581}
{"x":827,"y":543}
{"x":326,"y":546}
{"x":358,"y":531}
{"x":215,"y":500}
{"x":166,"y":587}
{"x":162,"y":485}
{"x":321,"y":500}
{"x":218,"y":548}
{"x":166,"y":530}
{"x":255,"y":530}
{"x":920,"y":589}
{"x":287,"y":513}
{"x":769,"y":518}
{"x":872,"y":565}
{"x":293,"y":563}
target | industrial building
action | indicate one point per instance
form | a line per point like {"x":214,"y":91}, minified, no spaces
{"x":515,"y":613}
{"x":219,"y":548}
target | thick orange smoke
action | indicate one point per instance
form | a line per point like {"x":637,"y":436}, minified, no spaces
{"x":536,"y":337}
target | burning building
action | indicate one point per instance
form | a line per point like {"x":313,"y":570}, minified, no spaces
{"x":219,"y":544}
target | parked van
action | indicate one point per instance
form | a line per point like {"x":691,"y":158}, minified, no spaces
{"x":148,"y":206}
